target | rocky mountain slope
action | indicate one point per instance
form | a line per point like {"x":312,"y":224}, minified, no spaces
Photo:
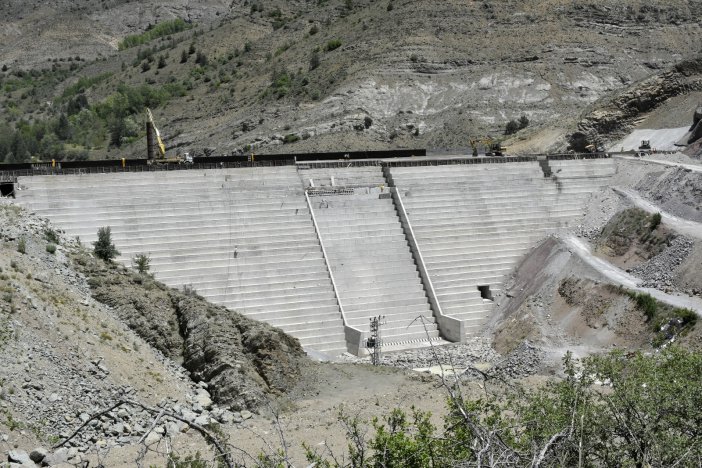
{"x":77,"y":335}
{"x":301,"y":76}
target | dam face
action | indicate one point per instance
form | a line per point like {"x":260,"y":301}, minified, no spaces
{"x":318,"y":249}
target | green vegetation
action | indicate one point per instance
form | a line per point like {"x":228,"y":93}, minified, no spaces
{"x":666,"y":322}
{"x":103,"y":247}
{"x":648,"y":413}
{"x":291,"y":138}
{"x":165,"y":28}
{"x":142,"y":263}
{"x":83,"y":84}
{"x":51,"y":248}
{"x":655,"y":221}
{"x":632,"y":226}
{"x":22,"y":245}
{"x":513,"y":126}
{"x":71,"y":134}
{"x":284,"y":83}
{"x":333,"y":44}
{"x":51,"y":235}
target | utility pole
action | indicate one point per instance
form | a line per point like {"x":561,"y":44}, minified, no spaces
{"x":374,"y":342}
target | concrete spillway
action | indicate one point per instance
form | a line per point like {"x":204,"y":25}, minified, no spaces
{"x":319,"y":250}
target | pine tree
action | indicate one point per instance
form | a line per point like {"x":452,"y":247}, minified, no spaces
{"x":103,"y":247}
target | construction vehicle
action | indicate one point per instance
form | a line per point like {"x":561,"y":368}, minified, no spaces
{"x":159,"y":157}
{"x":645,"y":145}
{"x":493,"y":148}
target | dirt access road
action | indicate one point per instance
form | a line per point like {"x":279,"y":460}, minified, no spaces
{"x":683,"y":226}
{"x":617,"y":276}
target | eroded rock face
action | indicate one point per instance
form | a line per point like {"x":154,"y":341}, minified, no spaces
{"x":615,"y":118}
{"x":241,"y":359}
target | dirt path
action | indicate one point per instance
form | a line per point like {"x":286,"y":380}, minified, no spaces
{"x":692,"y":167}
{"x":683,"y":226}
{"x":580,"y":248}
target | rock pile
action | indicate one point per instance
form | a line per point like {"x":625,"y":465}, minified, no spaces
{"x":127,"y":425}
{"x":476,"y":359}
{"x":658,"y":272}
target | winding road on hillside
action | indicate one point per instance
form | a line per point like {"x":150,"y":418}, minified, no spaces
{"x":683,"y":226}
{"x":618,"y":276}
{"x":692,"y":167}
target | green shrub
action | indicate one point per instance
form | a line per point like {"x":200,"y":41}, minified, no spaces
{"x":22,"y":245}
{"x":291,"y":138}
{"x":51,"y":236}
{"x":103,"y":247}
{"x":647,"y":304}
{"x":332,"y":45}
{"x":51,"y":248}
{"x":162,"y":29}
{"x":512,"y":127}
{"x":655,"y":221}
{"x":141,"y":263}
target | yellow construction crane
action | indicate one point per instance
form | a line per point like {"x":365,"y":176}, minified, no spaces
{"x":152,"y":131}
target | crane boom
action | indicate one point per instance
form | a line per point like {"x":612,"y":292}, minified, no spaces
{"x":161,"y":146}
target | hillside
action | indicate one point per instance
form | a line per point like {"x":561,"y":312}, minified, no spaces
{"x":301,"y":76}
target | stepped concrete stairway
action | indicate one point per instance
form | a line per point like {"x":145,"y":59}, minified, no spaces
{"x":474,"y":222}
{"x":242,"y":238}
{"x":369,"y":255}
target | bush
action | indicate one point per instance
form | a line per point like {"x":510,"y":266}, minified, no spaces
{"x":141,"y":263}
{"x":655,"y":221}
{"x":51,"y":236}
{"x":291,"y":138}
{"x":648,"y":415}
{"x":51,"y":248}
{"x":103,"y":247}
{"x":162,"y":29}
{"x":332,"y":45}
{"x":22,"y":245}
{"x":647,"y":304}
{"x":512,"y":127}
{"x":523,"y":122}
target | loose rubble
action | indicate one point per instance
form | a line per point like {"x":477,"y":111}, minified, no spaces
{"x":658,"y":272}
{"x":475,"y":359}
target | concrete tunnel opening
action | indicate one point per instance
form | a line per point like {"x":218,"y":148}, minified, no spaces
{"x":7,"y":189}
{"x":485,"y":292}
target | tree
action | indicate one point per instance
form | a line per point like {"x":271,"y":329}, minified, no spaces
{"x":647,"y":413}
{"x":184,"y":56}
{"x":655,"y":221}
{"x":201,"y":59}
{"x":63,"y":128}
{"x":523,"y":122}
{"x":161,"y":61}
{"x":103,"y":247}
{"x":141,"y":263}
{"x":191,"y":49}
{"x":117,"y":131}
{"x":512,"y":127}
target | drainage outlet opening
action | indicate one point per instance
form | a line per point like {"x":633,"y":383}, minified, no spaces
{"x":7,"y":189}
{"x":485,"y":292}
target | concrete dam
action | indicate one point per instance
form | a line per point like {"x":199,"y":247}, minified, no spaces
{"x":318,"y":248}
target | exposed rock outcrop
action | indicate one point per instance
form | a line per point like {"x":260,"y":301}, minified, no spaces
{"x":614,"y":117}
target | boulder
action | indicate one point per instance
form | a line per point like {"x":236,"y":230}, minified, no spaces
{"x":38,"y":454}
